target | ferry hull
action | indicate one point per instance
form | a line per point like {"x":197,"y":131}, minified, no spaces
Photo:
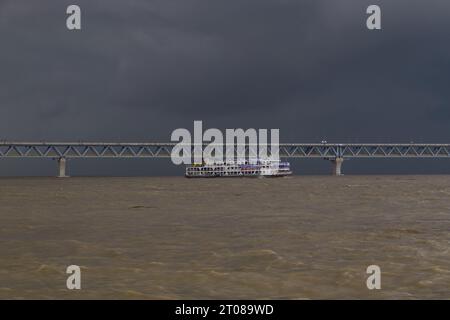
{"x":273,"y":175}
{"x":256,"y":176}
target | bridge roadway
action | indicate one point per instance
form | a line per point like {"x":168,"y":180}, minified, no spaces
{"x":335,"y":152}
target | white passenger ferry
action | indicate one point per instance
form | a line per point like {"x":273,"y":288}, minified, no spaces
{"x":249,"y":168}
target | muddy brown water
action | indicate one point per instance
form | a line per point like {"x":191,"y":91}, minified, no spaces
{"x":303,"y":237}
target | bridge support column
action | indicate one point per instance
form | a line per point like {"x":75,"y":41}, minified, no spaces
{"x":337,"y":166}
{"x":62,"y":167}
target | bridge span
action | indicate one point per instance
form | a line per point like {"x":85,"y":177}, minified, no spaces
{"x":335,"y":152}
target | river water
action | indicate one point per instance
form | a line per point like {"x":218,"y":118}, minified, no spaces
{"x":303,"y":237}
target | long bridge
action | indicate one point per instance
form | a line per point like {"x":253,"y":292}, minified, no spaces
{"x":335,"y":152}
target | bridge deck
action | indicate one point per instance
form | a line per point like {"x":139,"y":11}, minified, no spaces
{"x":163,"y":150}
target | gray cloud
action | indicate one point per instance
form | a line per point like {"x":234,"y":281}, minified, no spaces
{"x":140,"y":69}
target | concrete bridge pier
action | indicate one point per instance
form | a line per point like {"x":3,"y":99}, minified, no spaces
{"x":62,"y":167}
{"x":337,"y":166}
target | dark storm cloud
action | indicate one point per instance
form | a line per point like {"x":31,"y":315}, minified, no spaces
{"x":140,"y":69}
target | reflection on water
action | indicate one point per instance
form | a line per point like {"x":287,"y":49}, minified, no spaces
{"x":165,"y":238}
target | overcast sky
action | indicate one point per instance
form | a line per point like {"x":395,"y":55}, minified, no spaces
{"x":139,"y":69}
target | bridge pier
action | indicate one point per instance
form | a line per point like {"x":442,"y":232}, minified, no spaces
{"x":62,"y":167}
{"x":337,"y":166}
